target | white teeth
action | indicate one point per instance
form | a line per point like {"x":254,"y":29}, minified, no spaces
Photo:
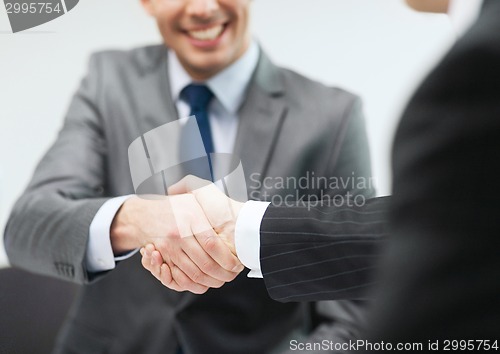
{"x":207,"y":34}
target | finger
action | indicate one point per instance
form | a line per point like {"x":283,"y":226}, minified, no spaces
{"x":163,"y":258}
{"x":185,"y":283}
{"x":216,"y":205}
{"x":156,"y":258}
{"x":211,"y":243}
{"x":182,"y":261}
{"x":162,"y":272}
{"x":149,"y":248}
{"x":146,"y":262}
{"x":206,"y":263}
{"x":190,"y":220}
{"x":167,"y":279}
{"x":151,"y":262}
{"x":146,"y":256}
{"x":215,"y":247}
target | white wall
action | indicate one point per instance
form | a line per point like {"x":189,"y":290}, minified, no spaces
{"x":376,"y":48}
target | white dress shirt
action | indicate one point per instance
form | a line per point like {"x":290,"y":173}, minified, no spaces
{"x":229,"y":88}
{"x":463,"y":13}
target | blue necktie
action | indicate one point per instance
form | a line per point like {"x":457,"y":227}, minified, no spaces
{"x":198,"y":97}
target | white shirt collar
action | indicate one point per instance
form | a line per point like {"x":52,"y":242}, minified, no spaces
{"x":229,"y":86}
{"x":464,"y":13}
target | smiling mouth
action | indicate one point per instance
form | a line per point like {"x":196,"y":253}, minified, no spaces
{"x":207,"y":34}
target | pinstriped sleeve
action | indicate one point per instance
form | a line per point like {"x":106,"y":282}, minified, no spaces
{"x":326,"y":253}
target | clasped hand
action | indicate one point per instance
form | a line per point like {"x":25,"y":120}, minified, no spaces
{"x":186,"y":239}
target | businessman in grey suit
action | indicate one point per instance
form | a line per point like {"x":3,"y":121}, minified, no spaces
{"x":77,"y":221}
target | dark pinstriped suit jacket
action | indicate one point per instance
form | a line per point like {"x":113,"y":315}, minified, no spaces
{"x":442,"y":269}
{"x":322,"y":253}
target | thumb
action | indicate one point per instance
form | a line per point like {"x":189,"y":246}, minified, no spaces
{"x":187,"y":185}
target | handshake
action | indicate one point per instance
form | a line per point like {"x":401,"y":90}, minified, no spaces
{"x":186,"y":239}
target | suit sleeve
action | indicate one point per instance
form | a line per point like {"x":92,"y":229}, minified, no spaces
{"x":48,"y":228}
{"x":328,"y":250}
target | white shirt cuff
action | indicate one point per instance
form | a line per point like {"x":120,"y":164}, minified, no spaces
{"x":99,"y":256}
{"x":247,"y":236}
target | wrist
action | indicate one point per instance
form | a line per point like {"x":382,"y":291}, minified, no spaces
{"x":123,"y":232}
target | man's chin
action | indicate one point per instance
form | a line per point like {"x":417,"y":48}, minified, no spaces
{"x":436,"y":6}
{"x":205,"y":66}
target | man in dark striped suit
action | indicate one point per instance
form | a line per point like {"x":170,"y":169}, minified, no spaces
{"x":441,"y":272}
{"x":440,"y":276}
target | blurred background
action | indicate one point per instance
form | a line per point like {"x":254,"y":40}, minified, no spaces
{"x":378,"y":49}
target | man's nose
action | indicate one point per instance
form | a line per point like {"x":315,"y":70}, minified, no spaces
{"x":202,"y":8}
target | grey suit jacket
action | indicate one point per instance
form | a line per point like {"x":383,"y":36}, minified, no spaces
{"x":289,"y":126}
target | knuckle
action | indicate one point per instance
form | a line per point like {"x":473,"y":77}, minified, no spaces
{"x":176,"y":278}
{"x":173,"y":257}
{"x":209,"y":266}
{"x":172,"y":233}
{"x":165,"y":274}
{"x":197,"y":276}
{"x":229,"y":264}
{"x":183,"y":282}
{"x":162,"y":245}
{"x":210,"y":243}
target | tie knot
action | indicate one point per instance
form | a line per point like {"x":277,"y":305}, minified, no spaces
{"x":197,"y":96}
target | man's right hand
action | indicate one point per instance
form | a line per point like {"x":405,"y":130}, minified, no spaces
{"x":179,"y":229}
{"x":220,"y":211}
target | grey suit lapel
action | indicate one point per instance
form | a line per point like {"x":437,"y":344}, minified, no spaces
{"x":261,"y":117}
{"x":155,"y":102}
